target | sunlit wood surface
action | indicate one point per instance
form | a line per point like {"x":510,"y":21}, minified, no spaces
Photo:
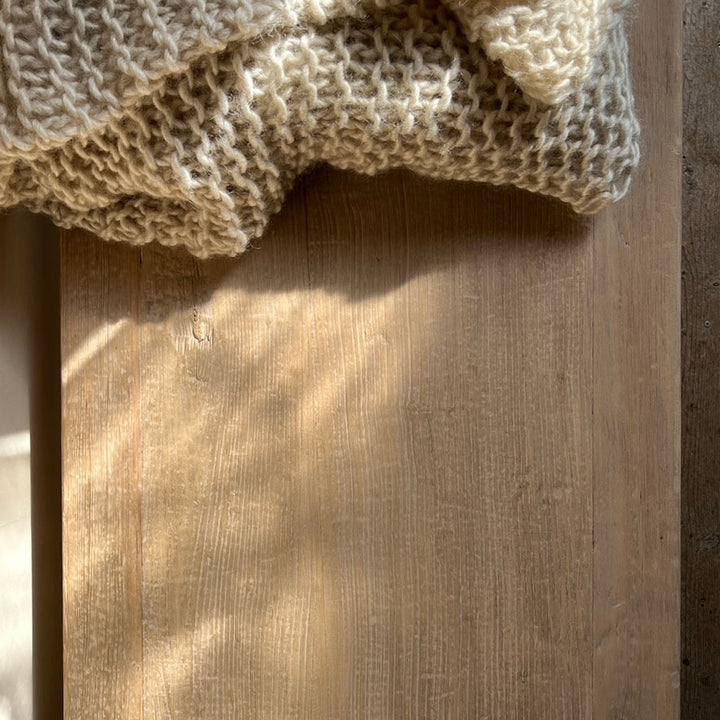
{"x":416,"y":456}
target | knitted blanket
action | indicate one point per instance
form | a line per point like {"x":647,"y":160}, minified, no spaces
{"x":186,"y":121}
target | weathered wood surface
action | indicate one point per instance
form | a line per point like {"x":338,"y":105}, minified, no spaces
{"x":701,"y":358}
{"x":636,"y":416}
{"x":417,"y":456}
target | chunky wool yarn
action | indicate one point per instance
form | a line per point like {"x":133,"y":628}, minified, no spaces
{"x":547,"y":46}
{"x":186,"y":121}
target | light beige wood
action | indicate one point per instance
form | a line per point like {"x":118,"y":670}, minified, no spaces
{"x":101,"y":523}
{"x":365,"y":462}
{"x":357,"y":472}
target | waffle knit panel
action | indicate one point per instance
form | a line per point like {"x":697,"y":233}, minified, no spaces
{"x":187,"y":122}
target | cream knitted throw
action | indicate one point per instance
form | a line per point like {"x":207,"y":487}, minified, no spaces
{"x":186,"y":121}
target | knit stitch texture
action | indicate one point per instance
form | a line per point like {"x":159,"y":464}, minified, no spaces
{"x":186,"y":121}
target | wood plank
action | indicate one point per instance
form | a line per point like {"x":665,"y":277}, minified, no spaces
{"x":102,"y":600}
{"x":636,"y":434}
{"x":365,"y":460}
{"x":701,"y":349}
{"x":358,"y":471}
{"x":462,"y":373}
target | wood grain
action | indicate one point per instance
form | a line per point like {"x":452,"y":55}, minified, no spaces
{"x":636,"y":366}
{"x":365,"y":462}
{"x":102,"y":591}
{"x":701,"y":350}
{"x":414,"y":457}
